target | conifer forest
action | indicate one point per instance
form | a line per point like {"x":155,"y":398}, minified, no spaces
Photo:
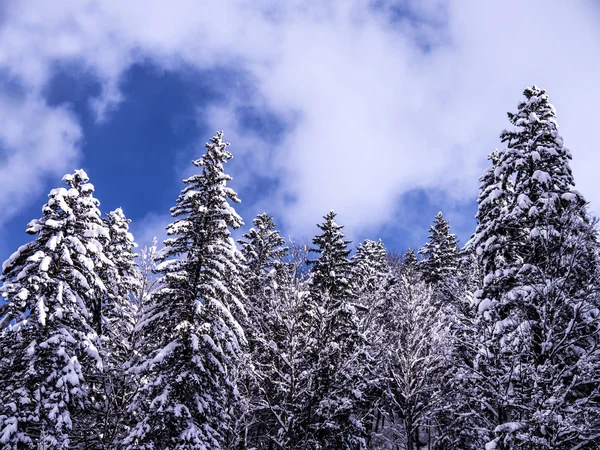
{"x":205,"y":343}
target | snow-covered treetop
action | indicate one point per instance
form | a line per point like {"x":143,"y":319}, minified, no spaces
{"x":330,"y":272}
{"x":529,"y":180}
{"x":371,"y":257}
{"x":441,"y":251}
{"x":202,"y":209}
{"x":536,"y":159}
{"x":263,"y":245}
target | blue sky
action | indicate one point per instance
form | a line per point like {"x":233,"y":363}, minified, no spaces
{"x":384,"y":111}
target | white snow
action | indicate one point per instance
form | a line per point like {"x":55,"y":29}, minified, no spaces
{"x":569,"y":196}
{"x":542,"y":177}
{"x":485,"y":305}
{"x":45,"y":264}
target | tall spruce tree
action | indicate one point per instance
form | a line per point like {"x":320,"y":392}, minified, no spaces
{"x":119,"y":315}
{"x":335,"y":347}
{"x":190,"y":333}
{"x":373,"y":280}
{"x":441,"y":252}
{"x":410,"y":263}
{"x":124,"y":280}
{"x":263,"y":248}
{"x":50,"y":354}
{"x":538,"y":327}
{"x":370,"y":265}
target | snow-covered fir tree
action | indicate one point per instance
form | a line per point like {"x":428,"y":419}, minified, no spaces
{"x":440,"y":252}
{"x":410,"y":262}
{"x":335,"y":348}
{"x":373,"y":279}
{"x":370,"y":265}
{"x":124,"y":280}
{"x":119,"y":314}
{"x":538,"y":328}
{"x":49,"y":354}
{"x":277,"y":402}
{"x":263,"y":248}
{"x":191,"y":339}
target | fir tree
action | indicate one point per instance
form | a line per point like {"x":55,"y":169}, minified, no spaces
{"x":538,"y":301}
{"x":119,"y":315}
{"x":373,"y":280}
{"x":50,"y":353}
{"x":410,"y":261}
{"x":123,"y":280}
{"x":190,"y":333}
{"x":370,"y":262}
{"x":263,"y":249}
{"x":335,"y":347}
{"x":441,"y":252}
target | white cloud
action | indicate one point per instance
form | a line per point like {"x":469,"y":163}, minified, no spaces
{"x":380,"y":106}
{"x":36,"y":141}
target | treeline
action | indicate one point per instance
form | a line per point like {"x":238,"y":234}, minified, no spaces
{"x":263,"y":344}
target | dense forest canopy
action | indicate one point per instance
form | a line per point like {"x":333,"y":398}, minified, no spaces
{"x":207,"y":343}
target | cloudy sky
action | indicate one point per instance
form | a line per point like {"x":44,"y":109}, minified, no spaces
{"x":383,"y":110}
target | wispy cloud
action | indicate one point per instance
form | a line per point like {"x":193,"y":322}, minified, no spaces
{"x":36,"y":141}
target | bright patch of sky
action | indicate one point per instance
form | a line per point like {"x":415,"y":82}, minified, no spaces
{"x":382,"y":110}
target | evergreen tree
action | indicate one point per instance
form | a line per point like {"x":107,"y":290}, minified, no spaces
{"x":373,"y":280}
{"x":441,"y":252}
{"x":538,"y":303}
{"x":119,"y":315}
{"x":50,"y":352}
{"x":335,"y":347}
{"x":278,"y":401}
{"x":123,"y":280}
{"x":410,"y":262}
{"x":263,"y":249}
{"x":190,"y":333}
{"x":370,"y":262}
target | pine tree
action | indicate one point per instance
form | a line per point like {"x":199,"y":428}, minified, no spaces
{"x":410,"y":262}
{"x":441,"y":252}
{"x":263,"y":248}
{"x":190,"y":333}
{"x":370,"y":262}
{"x":373,"y":280}
{"x":539,"y":301}
{"x":119,"y":315}
{"x":278,"y":358}
{"x":50,"y":351}
{"x":335,"y":347}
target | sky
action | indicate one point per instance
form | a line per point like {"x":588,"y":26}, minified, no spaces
{"x":383,"y":110}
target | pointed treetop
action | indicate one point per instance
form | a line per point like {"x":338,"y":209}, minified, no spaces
{"x":410,"y":259}
{"x":263,"y":245}
{"x":441,"y":251}
{"x":331,"y":269}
